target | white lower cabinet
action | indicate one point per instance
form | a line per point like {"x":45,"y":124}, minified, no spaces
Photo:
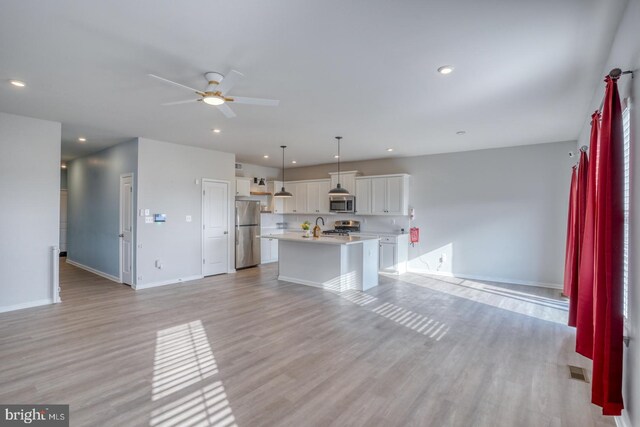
{"x":393,"y":253}
{"x":268,"y":250}
{"x":388,"y":260}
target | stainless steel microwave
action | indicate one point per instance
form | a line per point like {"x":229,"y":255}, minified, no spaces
{"x":342,"y":204}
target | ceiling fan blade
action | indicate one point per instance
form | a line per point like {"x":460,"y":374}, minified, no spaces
{"x":226,"y":110}
{"x":174,"y":83}
{"x":255,"y":101}
{"x":186,"y":101}
{"x":229,"y":81}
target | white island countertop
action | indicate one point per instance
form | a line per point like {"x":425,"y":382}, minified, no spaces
{"x":326,"y":240}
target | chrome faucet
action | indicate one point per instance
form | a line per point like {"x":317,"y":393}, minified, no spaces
{"x":321,"y":219}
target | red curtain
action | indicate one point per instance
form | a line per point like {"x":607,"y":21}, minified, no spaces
{"x":584,"y":299}
{"x":579,"y":208}
{"x":606,"y":388}
{"x":570,"y":271}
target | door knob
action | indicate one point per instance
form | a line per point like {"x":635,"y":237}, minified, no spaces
{"x":121,"y":235}
{"x":226,"y":232}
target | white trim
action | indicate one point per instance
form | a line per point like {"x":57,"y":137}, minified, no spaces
{"x":486,"y":278}
{"x":623,"y":420}
{"x":23,"y":305}
{"x":94,"y":271}
{"x":140,"y":286}
{"x":302,"y":282}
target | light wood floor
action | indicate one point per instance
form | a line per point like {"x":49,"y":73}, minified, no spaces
{"x":247,"y":350}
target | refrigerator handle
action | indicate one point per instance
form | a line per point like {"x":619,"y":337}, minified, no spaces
{"x":237,"y":236}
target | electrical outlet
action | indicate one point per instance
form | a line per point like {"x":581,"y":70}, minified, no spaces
{"x":139,"y":277}
{"x":188,"y":218}
{"x":146,"y":212}
{"x":139,"y":245}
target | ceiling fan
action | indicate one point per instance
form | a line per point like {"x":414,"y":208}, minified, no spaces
{"x":216,"y":93}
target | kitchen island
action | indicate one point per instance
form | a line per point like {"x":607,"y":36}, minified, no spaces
{"x":336,"y":263}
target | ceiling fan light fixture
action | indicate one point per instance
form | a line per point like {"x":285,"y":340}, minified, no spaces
{"x":213,"y":100}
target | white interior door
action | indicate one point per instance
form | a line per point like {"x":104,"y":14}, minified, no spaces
{"x":63,"y":221}
{"x":126,"y":229}
{"x":215,"y":227}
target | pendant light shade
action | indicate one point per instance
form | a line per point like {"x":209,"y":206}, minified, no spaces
{"x":283,"y":193}
{"x":339,"y":191}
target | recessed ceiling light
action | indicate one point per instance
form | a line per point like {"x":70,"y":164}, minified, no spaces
{"x":216,"y":131}
{"x":82,"y":139}
{"x":446,"y":69}
{"x":293,"y":161}
{"x":336,"y":157}
{"x":17,"y":83}
{"x":461,"y":132}
{"x":266,"y":156}
{"x":63,"y":166}
{"x":389,"y":149}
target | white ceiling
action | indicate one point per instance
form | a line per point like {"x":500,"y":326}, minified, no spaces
{"x":525,"y":72}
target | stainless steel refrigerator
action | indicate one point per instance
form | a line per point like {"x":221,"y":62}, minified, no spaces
{"x":247,"y":233}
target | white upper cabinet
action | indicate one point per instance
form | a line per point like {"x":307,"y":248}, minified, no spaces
{"x":313,"y":197}
{"x":363,"y":196}
{"x":324,"y":187}
{"x":395,"y":196}
{"x":290,"y":202}
{"x":383,"y":195}
{"x":318,"y":196}
{"x":375,"y":195}
{"x":378,"y":196}
{"x":243,"y":187}
{"x":300,"y":197}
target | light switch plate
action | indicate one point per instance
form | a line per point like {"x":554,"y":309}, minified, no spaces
{"x":188,"y":218}
{"x":146,"y":212}
{"x":148,"y":220}
{"x":141,"y":212}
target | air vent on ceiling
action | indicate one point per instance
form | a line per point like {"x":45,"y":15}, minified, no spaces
{"x":239,"y":166}
{"x":578,"y":373}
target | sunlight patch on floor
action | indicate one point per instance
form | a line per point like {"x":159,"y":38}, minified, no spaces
{"x":516,"y":301}
{"x":183,"y":358}
{"x":402,"y":316}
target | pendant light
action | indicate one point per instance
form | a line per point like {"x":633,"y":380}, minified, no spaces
{"x":283,"y":192}
{"x":339,"y":191}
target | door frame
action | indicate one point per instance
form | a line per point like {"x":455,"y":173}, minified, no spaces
{"x":230,"y":222}
{"x":133,"y":228}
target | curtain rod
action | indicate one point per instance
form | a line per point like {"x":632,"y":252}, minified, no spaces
{"x":617,"y":72}
{"x":614,"y":74}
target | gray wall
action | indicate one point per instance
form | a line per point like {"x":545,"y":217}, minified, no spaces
{"x":30,"y":194}
{"x":94,"y":206}
{"x":498,"y":214}
{"x":167,"y":184}
{"x":625,"y":54}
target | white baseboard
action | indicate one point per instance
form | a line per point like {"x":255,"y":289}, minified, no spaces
{"x":140,"y":286}
{"x":94,"y":271}
{"x":486,"y":278}
{"x":23,"y":305}
{"x":623,"y":420}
